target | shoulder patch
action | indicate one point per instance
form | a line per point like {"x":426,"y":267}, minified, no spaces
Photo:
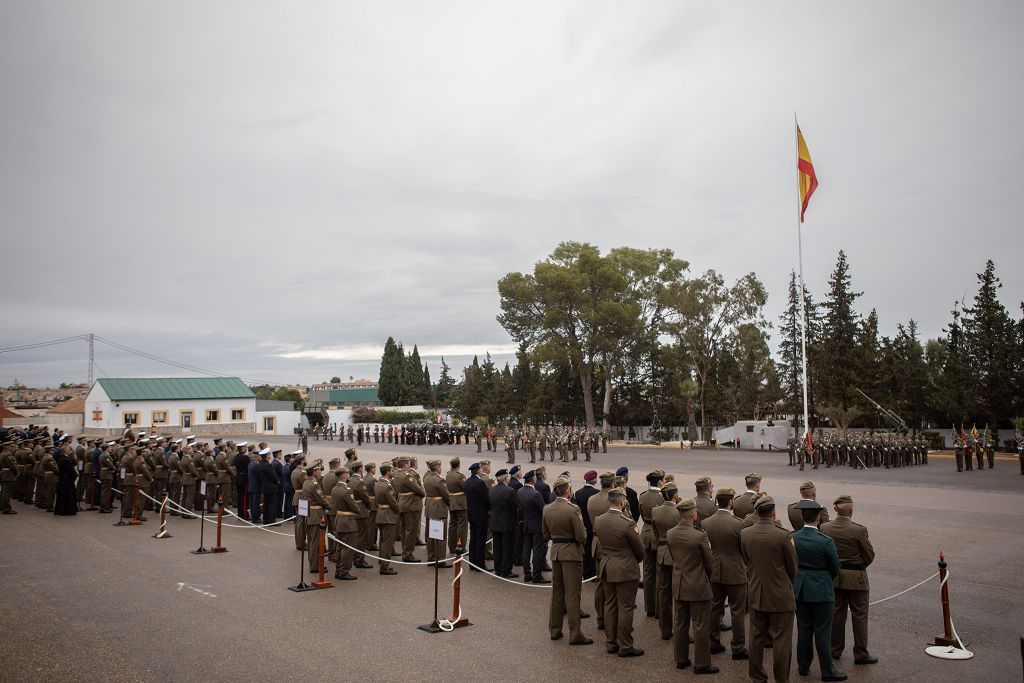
{"x":635,"y":529}
{"x":792,"y":542}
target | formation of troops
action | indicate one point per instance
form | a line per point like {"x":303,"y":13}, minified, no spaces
{"x":691,"y":558}
{"x":859,"y":450}
{"x":551,"y":441}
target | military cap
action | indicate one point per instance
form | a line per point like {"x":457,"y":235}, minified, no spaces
{"x":808,"y":504}
{"x":240,"y":443}
{"x":175,"y":441}
{"x":618,"y":489}
{"x":608,"y":475}
{"x":703,"y":481}
{"x":530,"y":476}
{"x":334,"y":462}
{"x":296,"y":452}
{"x":217,"y":439}
{"x":354,"y":465}
{"x":265,"y":451}
{"x":143,"y":440}
{"x":686,"y":505}
{"x":501,"y":473}
{"x":670,"y":487}
{"x":726,"y":492}
{"x":455,"y":462}
{"x":484,"y":462}
{"x":350,"y":451}
{"x":656,"y":474}
{"x":566,"y":475}
{"x":276,"y":451}
{"x":764,"y":500}
{"x":622,"y":471}
{"x":310,"y":467}
{"x":807,"y":486}
{"x":433,"y":462}
{"x":474,"y":467}
{"x":590,"y":475}
{"x":514,"y":469}
{"x":401,"y":461}
{"x":843,"y":500}
{"x":541,"y":470}
{"x":370,"y":465}
{"x":191,"y":437}
{"x":560,"y":481}
{"x":342,"y":470}
{"x":753,"y":475}
{"x":620,"y":482}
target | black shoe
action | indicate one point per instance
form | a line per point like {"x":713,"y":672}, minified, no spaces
{"x":834,"y":676}
{"x":363,"y":565}
{"x":865,"y":660}
{"x":388,"y":572}
{"x":547,"y":567}
{"x":600,"y":626}
{"x":10,"y":512}
{"x":410,"y":559}
{"x":741,"y":655}
{"x":582,"y":641}
{"x":651,"y":615}
{"x":691,"y":640}
{"x":557,"y":636}
{"x":510,"y":575}
{"x":631,"y":652}
{"x":611,"y":649}
{"x":685,"y":664}
{"x":804,"y":672}
{"x":421,"y":544}
{"x":345,"y":577}
{"x":666,"y":636}
{"x":106,"y":512}
{"x":717,"y":649}
{"x":541,"y":580}
{"x":373,"y":548}
{"x":705,"y":670}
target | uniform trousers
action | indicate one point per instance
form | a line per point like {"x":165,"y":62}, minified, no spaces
{"x":504,"y":543}
{"x":737,"y":594}
{"x":410,"y":532}
{"x":477,"y":543}
{"x":270,"y":507}
{"x":313,"y":544}
{"x":387,"y":541}
{"x":566,"y":586}
{"x":534,"y":549}
{"x":458,"y":529}
{"x":619,"y":605}
{"x":663,"y":591}
{"x":696,"y":611}
{"x":254,"y":506}
{"x":775,"y":628}
{"x":650,"y":581}
{"x":857,"y":603}
{"x":814,"y":632}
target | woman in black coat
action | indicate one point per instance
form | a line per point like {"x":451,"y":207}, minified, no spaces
{"x":67,"y":499}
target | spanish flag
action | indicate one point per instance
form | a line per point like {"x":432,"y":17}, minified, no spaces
{"x":808,"y":182}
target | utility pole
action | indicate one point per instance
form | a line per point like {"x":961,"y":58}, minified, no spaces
{"x":92,"y":356}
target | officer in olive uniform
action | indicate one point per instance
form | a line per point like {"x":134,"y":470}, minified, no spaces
{"x":705,"y":499}
{"x":562,"y":525}
{"x":665,"y":516}
{"x":818,"y":566}
{"x":597,"y":505}
{"x":298,"y":478}
{"x":8,"y":475}
{"x":318,"y":507}
{"x":410,"y":507}
{"x":728,"y":575}
{"x":387,"y":517}
{"x":364,"y":499}
{"x":650,"y":499}
{"x":436,"y":505}
{"x":771,"y":562}
{"x":345,"y":510}
{"x":807,"y":492}
{"x":458,"y":522}
{"x":691,"y":589}
{"x":619,"y":568}
{"x":743,"y":504}
{"x":851,"y":588}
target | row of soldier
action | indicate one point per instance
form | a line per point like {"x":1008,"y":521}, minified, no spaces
{"x":859,"y":450}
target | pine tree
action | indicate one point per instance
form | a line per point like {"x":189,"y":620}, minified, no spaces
{"x":990,"y":351}
{"x":838,"y":352}
{"x":444,"y":391}
{"x":790,"y":363}
{"x":414,"y":379}
{"x":522,"y":384}
{"x":390,"y":380}
{"x":427,"y":388}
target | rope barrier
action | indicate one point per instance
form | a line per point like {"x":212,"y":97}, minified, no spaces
{"x":381,"y":559}
{"x":896,"y":595}
{"x":953,"y":626}
{"x":448,"y":625}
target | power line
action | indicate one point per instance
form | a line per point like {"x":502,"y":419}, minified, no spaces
{"x":53,"y":342}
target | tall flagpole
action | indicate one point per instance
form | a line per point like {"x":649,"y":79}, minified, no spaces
{"x":800,"y":252}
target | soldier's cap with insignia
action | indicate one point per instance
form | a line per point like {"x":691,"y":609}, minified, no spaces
{"x":726,"y":492}
{"x":501,"y":473}
{"x":474,"y":467}
{"x":350,"y":451}
{"x":514,"y":469}
{"x":607,"y":475}
{"x":670,"y":487}
{"x":342,"y":470}
{"x":217,"y":439}
{"x":560,"y":481}
{"x":808,"y":504}
{"x":566,"y":475}
{"x":455,"y":462}
{"x":111,"y":443}
{"x":334,"y":462}
{"x":143,"y":440}
{"x":434,"y":462}
{"x":297,"y":452}
{"x":191,"y":437}
{"x":753,"y":475}
{"x":764,"y":500}
{"x":686,"y":505}
{"x":530,"y":475}
{"x":265,"y":451}
{"x":844,"y":499}
{"x":315,"y":465}
{"x":622,"y":471}
{"x":354,"y":465}
{"x":703,"y":481}
{"x":398,"y":462}
{"x":656,"y":474}
{"x":239,"y":444}
{"x":590,"y":475}
{"x":807,"y":486}
{"x":484,"y":462}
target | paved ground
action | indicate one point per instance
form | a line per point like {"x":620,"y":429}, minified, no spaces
{"x":85,"y":599}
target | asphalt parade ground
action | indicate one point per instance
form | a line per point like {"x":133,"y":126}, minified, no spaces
{"x":84,"y":599}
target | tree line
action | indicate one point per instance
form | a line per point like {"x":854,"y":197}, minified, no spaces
{"x":631,"y":337}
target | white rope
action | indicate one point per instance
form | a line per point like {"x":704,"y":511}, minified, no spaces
{"x":519,"y":583}
{"x":448,"y":625}
{"x":951,"y":625}
{"x":907,"y":590}
{"x":381,"y":559}
{"x":261,"y":527}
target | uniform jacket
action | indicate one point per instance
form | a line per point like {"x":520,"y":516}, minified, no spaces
{"x":597,"y":506}
{"x":562,"y":524}
{"x":387,"y":502}
{"x":504,"y":508}
{"x":437,"y":496}
{"x":691,"y":563}
{"x":665,"y":517}
{"x":410,"y":493}
{"x":621,"y":549}
{"x":743,"y":504}
{"x":632,"y":504}
{"x":298,"y":478}
{"x":252,"y":476}
{"x":797,"y":521}
{"x":532,"y":506}
{"x":818,"y":566}
{"x":269,"y":480}
{"x":855,"y":552}
{"x":357,"y":485}
{"x":545,"y":491}
{"x":344,"y":509}
{"x":705,"y":508}
{"x":582,"y":496}
{"x":478,"y":503}
{"x":318,"y":503}
{"x":771,"y":567}
{"x":649,"y":500}
{"x":723,"y":530}
{"x":454,"y":481}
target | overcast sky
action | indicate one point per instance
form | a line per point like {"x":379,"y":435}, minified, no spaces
{"x":272,"y":189}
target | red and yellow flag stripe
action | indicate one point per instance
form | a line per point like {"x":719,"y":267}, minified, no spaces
{"x":807,"y":180}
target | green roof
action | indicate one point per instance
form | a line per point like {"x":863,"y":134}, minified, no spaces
{"x":171,"y":388}
{"x":352,"y":395}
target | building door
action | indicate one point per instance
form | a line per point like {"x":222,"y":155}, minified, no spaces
{"x":269,"y":425}
{"x":186,"y":419}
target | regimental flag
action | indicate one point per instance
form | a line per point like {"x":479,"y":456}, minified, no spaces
{"x":807,"y":180}
{"x":809,"y":443}
{"x":974,"y":431}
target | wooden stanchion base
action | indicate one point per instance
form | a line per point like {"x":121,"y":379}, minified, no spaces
{"x":945,"y":642}
{"x":162,"y":534}
{"x":218,"y":549}
{"x":322,"y":584}
{"x":135,"y":522}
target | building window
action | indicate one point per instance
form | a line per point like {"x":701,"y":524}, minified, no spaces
{"x":159,"y":417}
{"x":186,"y":419}
{"x":131,"y":419}
{"x":237,"y":414}
{"x":213,"y":416}
{"x":270,"y":424}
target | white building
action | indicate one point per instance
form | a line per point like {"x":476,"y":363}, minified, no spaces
{"x":172,"y":405}
{"x":277,"y":418}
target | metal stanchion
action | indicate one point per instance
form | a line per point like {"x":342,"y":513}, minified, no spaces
{"x":202,"y":521}
{"x":322,"y":582}
{"x":220,"y":521}
{"x":120,"y":516}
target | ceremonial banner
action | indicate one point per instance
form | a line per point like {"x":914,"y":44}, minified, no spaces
{"x":808,"y":181}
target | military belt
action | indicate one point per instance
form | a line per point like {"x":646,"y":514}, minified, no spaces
{"x":383,"y":507}
{"x":564,"y":540}
{"x":456,"y":493}
{"x":316,"y":507}
{"x":343,"y":513}
{"x":435,"y":497}
{"x":855,"y":566}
